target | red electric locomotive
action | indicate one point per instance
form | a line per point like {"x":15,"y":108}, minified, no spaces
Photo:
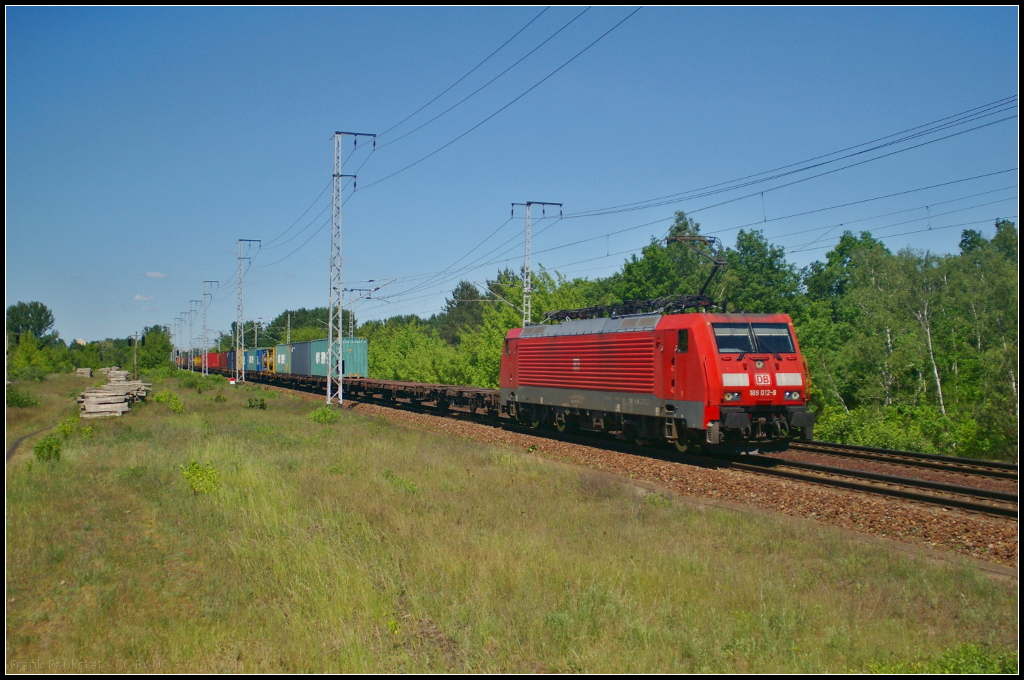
{"x":685,"y":378}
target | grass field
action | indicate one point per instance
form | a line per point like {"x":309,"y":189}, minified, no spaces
{"x":359,"y":545}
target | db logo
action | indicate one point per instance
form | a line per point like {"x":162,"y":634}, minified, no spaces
{"x":762,"y":379}
{"x":575,"y":364}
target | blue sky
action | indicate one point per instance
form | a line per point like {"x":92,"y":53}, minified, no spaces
{"x":142,"y":143}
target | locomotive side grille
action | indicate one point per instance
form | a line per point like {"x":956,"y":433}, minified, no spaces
{"x":619,"y":363}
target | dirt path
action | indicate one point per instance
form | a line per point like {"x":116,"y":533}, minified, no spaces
{"x":14,"y":447}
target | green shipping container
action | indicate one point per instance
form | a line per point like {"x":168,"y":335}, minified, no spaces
{"x":356,"y":361}
{"x":283,"y":359}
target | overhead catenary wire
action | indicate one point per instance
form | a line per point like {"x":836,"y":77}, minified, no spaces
{"x":488,"y":83}
{"x":976,"y":113}
{"x":468,"y":73}
{"x":946,"y":122}
{"x":477,"y":264}
{"x":319,"y":196}
{"x":520,"y":96}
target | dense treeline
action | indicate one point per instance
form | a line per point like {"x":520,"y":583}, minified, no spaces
{"x":907,"y":350}
{"x":33,"y":352}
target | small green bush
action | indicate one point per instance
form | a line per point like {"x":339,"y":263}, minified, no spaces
{"x":17,"y":398}
{"x":159,"y":373}
{"x":67,"y":427}
{"x":189,"y":381}
{"x":48,"y":448}
{"x":256,"y":403}
{"x":28,"y":373}
{"x":201,"y":478}
{"x":220,"y":398}
{"x":87,"y":432}
{"x":325,"y":415}
{"x":965,"y":658}
{"x":171,"y":399}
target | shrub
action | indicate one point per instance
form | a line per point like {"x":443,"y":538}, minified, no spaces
{"x":28,"y":373}
{"x":171,"y":399}
{"x":965,"y":658}
{"x":48,"y":448}
{"x":190,"y":381}
{"x":201,"y":478}
{"x":66,"y":428}
{"x":256,"y":403}
{"x":325,"y":415}
{"x":220,"y":398}
{"x":159,"y":373}
{"x":19,"y":399}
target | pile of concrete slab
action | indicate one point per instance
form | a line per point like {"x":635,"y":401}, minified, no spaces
{"x":115,"y":397}
{"x":83,"y":372}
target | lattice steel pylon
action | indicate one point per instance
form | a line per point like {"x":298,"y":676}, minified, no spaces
{"x":335,"y":330}
{"x":206,"y":330}
{"x":191,"y":334}
{"x":240,"y":315}
{"x":527,"y":277}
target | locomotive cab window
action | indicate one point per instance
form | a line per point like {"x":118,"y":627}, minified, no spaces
{"x":734,"y":338}
{"x":752,"y":338}
{"x":773,"y":337}
{"x":684,"y":341}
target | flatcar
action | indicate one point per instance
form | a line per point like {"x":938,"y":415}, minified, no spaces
{"x":688,"y":379}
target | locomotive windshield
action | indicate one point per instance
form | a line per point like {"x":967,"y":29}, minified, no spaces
{"x":773,"y":337}
{"x":751,"y":338}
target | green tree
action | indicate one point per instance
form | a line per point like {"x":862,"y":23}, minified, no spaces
{"x":758,"y":278}
{"x":31,"y":317}
{"x":661,"y":269}
{"x":155,"y":348}
{"x":462,"y":311}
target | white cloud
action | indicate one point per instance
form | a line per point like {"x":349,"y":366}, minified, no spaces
{"x":142,"y":298}
{"x":156,"y":275}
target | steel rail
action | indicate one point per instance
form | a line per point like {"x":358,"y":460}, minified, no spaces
{"x":974,"y":466}
{"x":944,"y":501}
{"x":894,"y":479}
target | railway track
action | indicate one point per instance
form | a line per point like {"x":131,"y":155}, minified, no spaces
{"x":961,"y":497}
{"x":967,"y":466}
{"x":998,"y":503}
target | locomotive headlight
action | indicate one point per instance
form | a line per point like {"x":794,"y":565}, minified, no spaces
{"x":792,"y":395}
{"x":732,"y":396}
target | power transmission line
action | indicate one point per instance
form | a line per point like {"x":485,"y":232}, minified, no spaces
{"x":468,"y":73}
{"x":322,"y":192}
{"x":976,"y":113}
{"x":489,"y":82}
{"x":533,"y":87}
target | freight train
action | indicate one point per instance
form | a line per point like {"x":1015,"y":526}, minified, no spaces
{"x":299,"y":359}
{"x":695,"y":379}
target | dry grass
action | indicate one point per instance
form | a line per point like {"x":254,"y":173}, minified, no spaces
{"x":364,"y":546}
{"x":53,"y":393}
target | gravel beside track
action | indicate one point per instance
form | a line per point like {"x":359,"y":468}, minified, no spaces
{"x":963,"y":479}
{"x":992,"y":539}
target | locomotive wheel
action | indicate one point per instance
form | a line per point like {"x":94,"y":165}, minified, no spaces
{"x":682,"y":443}
{"x":561,"y":426}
